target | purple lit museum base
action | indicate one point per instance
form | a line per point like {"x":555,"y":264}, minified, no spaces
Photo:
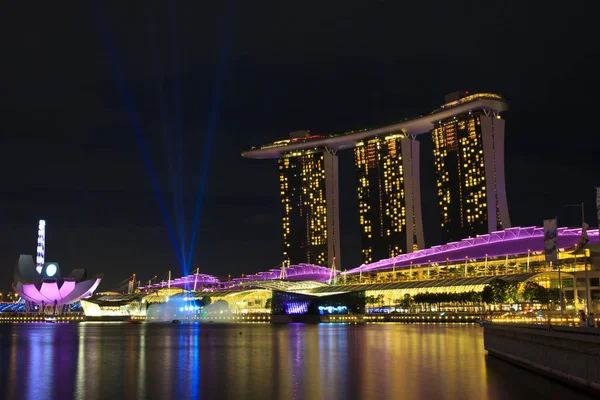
{"x":48,"y":286}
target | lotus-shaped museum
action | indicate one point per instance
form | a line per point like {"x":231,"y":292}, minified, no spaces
{"x":49,"y":287}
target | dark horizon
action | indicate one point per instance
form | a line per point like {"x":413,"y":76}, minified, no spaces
{"x":70,"y":154}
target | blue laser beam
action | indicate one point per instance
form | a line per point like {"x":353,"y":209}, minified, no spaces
{"x":175,"y":186}
{"x":217,"y":94}
{"x":163,"y":115}
{"x":136,"y":128}
{"x":178,"y":134}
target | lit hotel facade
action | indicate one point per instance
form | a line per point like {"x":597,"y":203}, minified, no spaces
{"x":389,"y":196}
{"x":469,"y":166}
{"x":310,"y":223}
{"x":468,"y":137}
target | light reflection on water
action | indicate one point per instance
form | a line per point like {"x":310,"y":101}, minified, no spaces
{"x":295,"y":361}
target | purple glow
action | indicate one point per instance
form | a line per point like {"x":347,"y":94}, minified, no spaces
{"x":511,"y":241}
{"x":50,"y":291}
{"x":299,"y":272}
{"x":66,"y":288}
{"x":298,"y":307}
{"x":30,"y":292}
{"x":33,"y":287}
{"x":82,"y":290}
{"x":69,"y":292}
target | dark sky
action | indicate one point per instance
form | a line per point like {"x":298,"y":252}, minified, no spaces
{"x":69,"y":154}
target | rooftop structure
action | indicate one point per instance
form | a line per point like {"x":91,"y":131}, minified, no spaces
{"x":300,"y":272}
{"x":430,"y":286}
{"x":410,"y":126}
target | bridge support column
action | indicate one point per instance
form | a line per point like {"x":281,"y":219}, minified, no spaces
{"x":332,"y":189}
{"x":412,"y":187}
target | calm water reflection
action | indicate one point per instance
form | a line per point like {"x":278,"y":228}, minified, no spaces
{"x":123,"y":361}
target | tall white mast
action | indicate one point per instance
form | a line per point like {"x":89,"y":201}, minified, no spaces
{"x":283,"y":274}
{"x":332,"y":273}
{"x":196,"y":278}
{"x":41,"y":246}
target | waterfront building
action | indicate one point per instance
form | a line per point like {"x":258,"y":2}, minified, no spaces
{"x":389,"y":196}
{"x":468,"y":150}
{"x":49,"y":291}
{"x":44,"y":287}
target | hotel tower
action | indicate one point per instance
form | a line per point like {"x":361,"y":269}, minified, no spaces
{"x":469,"y":165}
{"x":468,"y":139}
{"x":389,"y":196}
{"x":309,"y":197}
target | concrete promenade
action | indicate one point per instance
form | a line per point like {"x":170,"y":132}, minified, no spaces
{"x":568,"y":354}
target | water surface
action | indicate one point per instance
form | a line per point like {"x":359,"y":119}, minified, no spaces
{"x":259,"y":361}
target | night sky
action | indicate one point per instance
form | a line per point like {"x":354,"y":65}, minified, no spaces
{"x":90,"y":90}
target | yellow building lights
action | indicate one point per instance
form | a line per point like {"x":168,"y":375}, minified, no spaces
{"x":460,"y":170}
{"x":303,"y":196}
{"x":380,"y":194}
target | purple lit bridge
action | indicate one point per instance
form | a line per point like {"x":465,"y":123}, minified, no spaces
{"x":511,"y":241}
{"x":299,"y":272}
